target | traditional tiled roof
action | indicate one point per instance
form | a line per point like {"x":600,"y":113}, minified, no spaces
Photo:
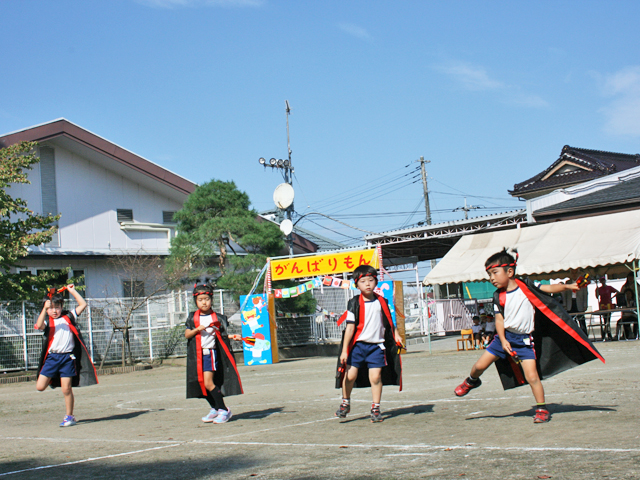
{"x":623,"y":196}
{"x":573,"y":166}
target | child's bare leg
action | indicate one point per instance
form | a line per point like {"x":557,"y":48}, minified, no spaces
{"x":65,"y":386}
{"x":531,"y":374}
{"x":482,"y":364}
{"x":42,"y":383}
{"x":375,"y":378}
{"x":350,"y":376}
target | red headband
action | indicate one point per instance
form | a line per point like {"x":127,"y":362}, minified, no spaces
{"x":362,"y":275}
{"x":504,"y":264}
{"x":195,"y":294}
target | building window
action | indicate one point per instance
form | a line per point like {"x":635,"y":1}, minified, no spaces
{"x":132,"y":288}
{"x":48,"y":188}
{"x":167,"y":217}
{"x":125,"y":215}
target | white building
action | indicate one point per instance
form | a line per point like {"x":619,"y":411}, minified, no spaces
{"x":112,"y":202}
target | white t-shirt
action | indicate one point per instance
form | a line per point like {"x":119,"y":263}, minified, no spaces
{"x":476,"y":328}
{"x":208,"y":335}
{"x":490,"y":327}
{"x":518,"y":312}
{"x":63,"y":341}
{"x":373,"y":331}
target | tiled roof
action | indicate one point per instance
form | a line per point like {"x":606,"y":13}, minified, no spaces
{"x":621,"y":195}
{"x":596,"y":163}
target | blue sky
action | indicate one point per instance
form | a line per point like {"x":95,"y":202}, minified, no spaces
{"x":489,"y":92}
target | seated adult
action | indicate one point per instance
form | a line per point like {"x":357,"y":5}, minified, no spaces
{"x":629,"y":320}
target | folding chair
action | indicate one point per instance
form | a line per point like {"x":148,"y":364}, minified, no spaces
{"x":466,"y":336}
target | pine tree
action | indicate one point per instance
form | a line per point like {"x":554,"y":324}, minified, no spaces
{"x":215,"y":220}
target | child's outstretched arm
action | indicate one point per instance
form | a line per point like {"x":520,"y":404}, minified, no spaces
{"x":82,"y":304}
{"x":40,"y":322}
{"x":559,"y":287}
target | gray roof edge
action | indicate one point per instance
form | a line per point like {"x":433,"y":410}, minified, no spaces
{"x":435,"y":226}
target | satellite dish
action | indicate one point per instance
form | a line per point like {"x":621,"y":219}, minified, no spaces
{"x":283,"y":196}
{"x":286,"y":226}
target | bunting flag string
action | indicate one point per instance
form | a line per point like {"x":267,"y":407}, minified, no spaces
{"x":309,"y":285}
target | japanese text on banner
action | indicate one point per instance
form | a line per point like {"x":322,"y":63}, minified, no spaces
{"x":331,"y":263}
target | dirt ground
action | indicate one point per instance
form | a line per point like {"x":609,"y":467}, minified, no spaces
{"x":140,"y":425}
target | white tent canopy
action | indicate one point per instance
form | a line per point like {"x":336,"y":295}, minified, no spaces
{"x":584,"y":243}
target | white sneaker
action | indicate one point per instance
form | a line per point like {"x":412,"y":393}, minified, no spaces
{"x":223,"y":416}
{"x":68,"y":421}
{"x":210,"y":416}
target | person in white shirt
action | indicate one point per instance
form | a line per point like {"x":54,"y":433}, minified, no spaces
{"x":64,"y":354}
{"x":369,"y":345}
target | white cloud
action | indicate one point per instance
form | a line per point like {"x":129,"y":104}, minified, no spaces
{"x":471,"y":77}
{"x":623,"y":111}
{"x":476,"y":78}
{"x":355,"y":31}
{"x":527,"y":100}
{"x":201,"y":3}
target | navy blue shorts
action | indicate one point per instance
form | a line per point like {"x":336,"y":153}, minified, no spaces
{"x":369,"y":354}
{"x":521,"y":343}
{"x":206,"y":361}
{"x":59,"y":365}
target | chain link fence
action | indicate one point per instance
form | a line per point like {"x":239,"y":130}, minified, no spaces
{"x":155,"y":327}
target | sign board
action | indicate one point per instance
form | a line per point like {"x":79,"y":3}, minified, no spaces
{"x":327,"y":264}
{"x":256,"y":331}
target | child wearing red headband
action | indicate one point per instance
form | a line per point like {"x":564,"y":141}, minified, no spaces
{"x":64,"y":361}
{"x":211,"y":367}
{"x":369,"y":351}
{"x":536,"y":337}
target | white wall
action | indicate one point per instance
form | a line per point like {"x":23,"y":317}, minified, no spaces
{"x":88,"y":196}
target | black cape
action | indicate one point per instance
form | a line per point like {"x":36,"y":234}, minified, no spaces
{"x":392,"y":372}
{"x":85,"y":370}
{"x":559,"y":343}
{"x":226,"y":377}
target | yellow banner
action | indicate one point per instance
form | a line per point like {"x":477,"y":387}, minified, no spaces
{"x":327,"y":264}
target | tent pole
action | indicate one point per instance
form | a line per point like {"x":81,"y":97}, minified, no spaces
{"x":635,"y":266}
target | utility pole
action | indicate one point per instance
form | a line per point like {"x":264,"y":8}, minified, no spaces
{"x":466,"y":208}
{"x":427,"y":210}
{"x":423,"y":170}
{"x":289,"y":175}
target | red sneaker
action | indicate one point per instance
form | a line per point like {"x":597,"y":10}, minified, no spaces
{"x":542,"y":416}
{"x":465,"y":387}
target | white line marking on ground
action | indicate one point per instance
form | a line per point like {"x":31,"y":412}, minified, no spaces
{"x":83,"y":440}
{"x":419,"y":446}
{"x":428,"y":447}
{"x":89,"y":460}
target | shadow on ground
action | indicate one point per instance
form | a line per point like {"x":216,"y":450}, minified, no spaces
{"x":554,"y":409}
{"x":254,"y":414}
{"x":120,"y":416}
{"x":398,"y":412}
{"x":177,"y":467}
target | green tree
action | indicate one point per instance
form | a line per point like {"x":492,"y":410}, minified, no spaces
{"x":20,"y":228}
{"x":215,"y":220}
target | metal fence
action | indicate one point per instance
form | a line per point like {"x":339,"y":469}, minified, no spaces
{"x":156,"y":328}
{"x":451,"y":315}
{"x":156,"y":325}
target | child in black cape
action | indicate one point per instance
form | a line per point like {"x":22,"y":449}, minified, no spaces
{"x":369,"y":350}
{"x":536,"y":338}
{"x":211,"y":367}
{"x":64,"y":360}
